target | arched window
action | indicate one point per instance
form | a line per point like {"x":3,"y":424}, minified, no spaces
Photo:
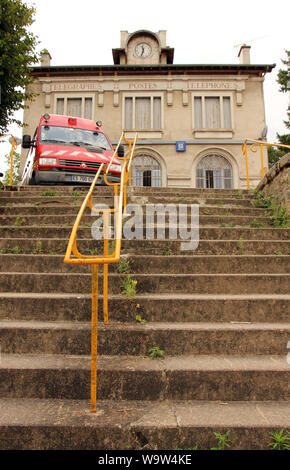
{"x":146,"y":171}
{"x":214,"y":171}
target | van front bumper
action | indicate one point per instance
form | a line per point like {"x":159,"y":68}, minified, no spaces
{"x":63,"y":177}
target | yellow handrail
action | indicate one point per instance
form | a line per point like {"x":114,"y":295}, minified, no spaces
{"x":14,"y":145}
{"x":119,"y":205}
{"x":253,"y":148}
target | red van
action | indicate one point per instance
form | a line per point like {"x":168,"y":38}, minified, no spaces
{"x":68,"y":150}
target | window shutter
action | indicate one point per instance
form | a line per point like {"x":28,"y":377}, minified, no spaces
{"x":156,"y":113}
{"x":143,"y":113}
{"x":197,"y":113}
{"x":128,"y":113}
{"x":74,"y":107}
{"x":227,"y":113}
{"x":88,"y":108}
{"x":60,"y":106}
{"x":212,"y":113}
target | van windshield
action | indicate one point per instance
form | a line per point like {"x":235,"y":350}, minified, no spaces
{"x":73,"y":136}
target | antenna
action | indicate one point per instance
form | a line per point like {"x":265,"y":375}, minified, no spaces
{"x":249,"y":41}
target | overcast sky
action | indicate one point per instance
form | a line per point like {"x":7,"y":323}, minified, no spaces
{"x":84,"y":32}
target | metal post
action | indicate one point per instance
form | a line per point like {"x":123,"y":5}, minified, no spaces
{"x":247,"y":166}
{"x":11,"y":159}
{"x":94,"y":338}
{"x":105,"y":273}
{"x":262,"y":161}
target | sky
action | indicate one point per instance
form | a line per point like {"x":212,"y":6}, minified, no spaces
{"x":201,"y":32}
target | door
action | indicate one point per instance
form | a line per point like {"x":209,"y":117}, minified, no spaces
{"x":146,"y":171}
{"x":214,"y":171}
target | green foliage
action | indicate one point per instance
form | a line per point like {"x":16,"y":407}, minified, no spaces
{"x":261,"y":201}
{"x":279,"y":213}
{"x":155,"y":352}
{"x":17,"y":55}
{"x":111,"y":247}
{"x":280,"y":441}
{"x":15,"y":168}
{"x":279,"y":216}
{"x":189,"y":448}
{"x":223,"y":441}
{"x":18,"y":222}
{"x":283,"y":80}
{"x":123,"y":267}
{"x":15,"y":250}
{"x":139,"y":319}
{"x":241,"y":245}
{"x":128,"y":287}
{"x":38,"y":249}
{"x":256,"y":224}
{"x":49,"y":193}
{"x":275,"y":153}
{"x":166,"y":252}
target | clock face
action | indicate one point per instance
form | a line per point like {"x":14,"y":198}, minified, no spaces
{"x":143,"y":50}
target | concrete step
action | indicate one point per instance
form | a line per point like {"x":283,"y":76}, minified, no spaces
{"x":75,"y":200}
{"x":89,"y":247}
{"x":227,"y":221}
{"x":148,"y":283}
{"x":135,"y":339}
{"x":54,"y":424}
{"x":204,"y":233}
{"x":132,"y":190}
{"x":226,"y":378}
{"x":153,"y":308}
{"x":198,"y":264}
{"x":68,"y":213}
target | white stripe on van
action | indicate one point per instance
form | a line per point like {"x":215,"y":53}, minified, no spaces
{"x":61,"y":152}
{"x":47,"y":152}
{"x":74,"y":154}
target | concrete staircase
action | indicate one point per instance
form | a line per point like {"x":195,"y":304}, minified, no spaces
{"x":220,"y":313}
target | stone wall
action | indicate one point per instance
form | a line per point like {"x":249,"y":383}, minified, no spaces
{"x":276,"y":182}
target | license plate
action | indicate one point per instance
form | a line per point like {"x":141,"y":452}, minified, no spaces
{"x":82,"y":179}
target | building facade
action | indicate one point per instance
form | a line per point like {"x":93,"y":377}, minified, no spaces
{"x":191,"y":119}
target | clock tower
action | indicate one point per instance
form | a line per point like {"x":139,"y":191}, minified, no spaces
{"x":143,"y":47}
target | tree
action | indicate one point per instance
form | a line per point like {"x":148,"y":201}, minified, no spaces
{"x":284,"y":82}
{"x":16,"y":169}
{"x":17,"y":54}
{"x":274,"y":154}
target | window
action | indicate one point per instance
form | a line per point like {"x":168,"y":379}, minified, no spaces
{"x":212,"y":112}
{"x":75,"y":106}
{"x":146,"y":171}
{"x":74,"y":136}
{"x":142,"y":113}
{"x":214,"y":171}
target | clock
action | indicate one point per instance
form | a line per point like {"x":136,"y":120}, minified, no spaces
{"x":143,"y":50}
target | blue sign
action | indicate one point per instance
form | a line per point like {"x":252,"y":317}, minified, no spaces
{"x":180,"y":146}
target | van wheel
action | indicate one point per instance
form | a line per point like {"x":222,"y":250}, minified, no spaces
{"x":32,"y":181}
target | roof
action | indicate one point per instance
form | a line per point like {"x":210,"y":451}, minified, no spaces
{"x":60,"y":120}
{"x":160,"y":69}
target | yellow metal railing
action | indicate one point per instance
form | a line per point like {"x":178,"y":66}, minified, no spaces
{"x":14,"y":145}
{"x":254,"y":144}
{"x":119,"y":206}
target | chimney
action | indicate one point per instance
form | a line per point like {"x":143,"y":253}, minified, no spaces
{"x":45,"y":58}
{"x":244,"y":54}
